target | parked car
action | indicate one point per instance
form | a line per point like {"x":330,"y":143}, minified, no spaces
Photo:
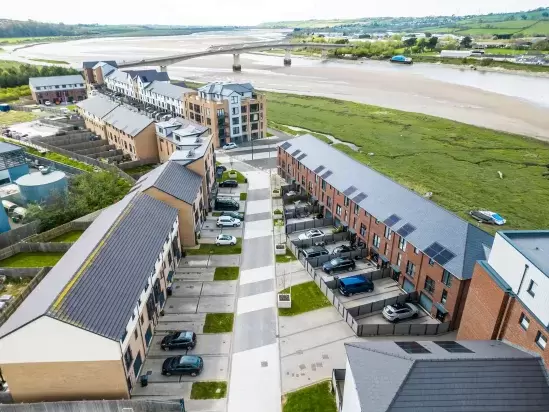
{"x":47,"y":103}
{"x":400,"y":311}
{"x":183,"y":339}
{"x":227,"y":221}
{"x":235,"y":215}
{"x":315,"y":251}
{"x":228,"y":183}
{"x":221,"y":240}
{"x":183,"y":365}
{"x":341,"y":249}
{"x":311,"y":234}
{"x":226,"y":204}
{"x":355,"y":284}
{"x":338,"y":264}
{"x":486,"y":216}
{"x":230,"y":146}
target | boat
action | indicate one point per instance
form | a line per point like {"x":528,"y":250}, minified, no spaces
{"x":401,"y":59}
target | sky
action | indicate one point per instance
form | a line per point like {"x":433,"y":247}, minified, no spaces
{"x":243,"y":12}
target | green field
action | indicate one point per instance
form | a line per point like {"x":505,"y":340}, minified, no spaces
{"x":314,"y":398}
{"x":12,"y":117}
{"x":51,"y":61}
{"x":305,"y":298}
{"x":68,"y":237}
{"x":458,"y":163}
{"x":541,"y":27}
{"x":31,"y":260}
{"x":209,"y":390}
{"x":219,"y":323}
{"x":505,"y":51}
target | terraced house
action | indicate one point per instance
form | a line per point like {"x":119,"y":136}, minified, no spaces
{"x":84,"y":331}
{"x":427,"y":248}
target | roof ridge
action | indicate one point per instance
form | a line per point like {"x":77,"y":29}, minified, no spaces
{"x":400,"y":388}
{"x":394,"y":355}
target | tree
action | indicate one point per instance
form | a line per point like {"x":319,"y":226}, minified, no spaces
{"x":524,"y":17}
{"x":545,"y":14}
{"x":409,"y":42}
{"x":432,"y":42}
{"x":466,"y":42}
{"x":421,"y":44}
{"x":427,"y":34}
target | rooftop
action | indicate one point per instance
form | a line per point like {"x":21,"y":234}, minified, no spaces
{"x":98,"y":106}
{"x":451,"y":241}
{"x":91,"y":64}
{"x":56,"y":80}
{"x":226,"y":89}
{"x":127,"y":120}
{"x":8,"y":147}
{"x":168,"y":90}
{"x":431,"y":376}
{"x":532,"y":244}
{"x":39,"y":179}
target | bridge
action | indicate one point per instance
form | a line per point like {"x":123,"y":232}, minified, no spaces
{"x":236,"y":50}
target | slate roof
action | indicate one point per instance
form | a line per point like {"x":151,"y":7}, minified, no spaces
{"x":168,"y":90}
{"x":127,"y":120}
{"x":149,"y":75}
{"x":383,"y":198}
{"x":493,"y":377}
{"x":91,"y":65}
{"x":8,"y":147}
{"x":56,"y":80}
{"x":226,"y":89}
{"x":173,"y":179}
{"x":98,"y":105}
{"x":126,"y":238}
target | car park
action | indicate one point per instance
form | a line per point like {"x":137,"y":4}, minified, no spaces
{"x":183,"y":365}
{"x":314,"y":251}
{"x":179,"y":340}
{"x":230,"y":146}
{"x":355,"y":284}
{"x":400,"y":311}
{"x":341,"y":249}
{"x":338,"y":264}
{"x":221,"y":240}
{"x":311,"y":234}
{"x":228,"y":183}
{"x":235,"y":215}
{"x":226,"y":204}
{"x":227,"y":221}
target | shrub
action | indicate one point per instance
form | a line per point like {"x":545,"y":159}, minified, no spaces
{"x":277,"y":212}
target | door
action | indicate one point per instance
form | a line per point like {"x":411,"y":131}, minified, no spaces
{"x":137,"y":365}
{"x":148,"y":336}
{"x":408,"y":286}
{"x":426,"y":302}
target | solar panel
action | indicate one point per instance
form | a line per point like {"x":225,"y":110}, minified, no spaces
{"x":359,"y":198}
{"x":412,"y":347}
{"x":285,"y":145}
{"x":327,"y":174}
{"x":294,"y":154}
{"x":301,"y":156}
{"x":391,"y":220}
{"x":437,"y":247}
{"x":349,"y":190}
{"x":453,"y":347}
{"x":433,"y":250}
{"x":444,"y":257}
{"x":319,"y":169}
{"x":406,"y":230}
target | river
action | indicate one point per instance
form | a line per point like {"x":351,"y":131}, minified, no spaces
{"x":517,"y":103}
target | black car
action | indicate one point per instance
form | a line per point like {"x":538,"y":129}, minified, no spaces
{"x":179,"y":340}
{"x":228,"y":183}
{"x":234,"y":215}
{"x":226,"y":204}
{"x":314,"y":251}
{"x":338,"y":264}
{"x":341,"y":249}
{"x":183,"y":365}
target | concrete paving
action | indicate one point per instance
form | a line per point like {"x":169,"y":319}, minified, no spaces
{"x":167,"y":390}
{"x":206,"y":344}
{"x":181,"y":305}
{"x":219,"y":288}
{"x":194,"y":274}
{"x":215,"y":368}
{"x":376,"y":318}
{"x":327,"y":230}
{"x":258,"y":216}
{"x":216,"y":304}
{"x":208,"y":261}
{"x":385,"y":288}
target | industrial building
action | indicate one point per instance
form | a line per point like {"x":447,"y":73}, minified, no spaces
{"x":84,"y":332}
{"x":58,"y":89}
{"x":427,"y":248}
{"x":12,"y":163}
{"x":41,"y":186}
{"x":509,"y":294}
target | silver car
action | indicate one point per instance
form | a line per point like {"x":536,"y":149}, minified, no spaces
{"x":400,"y":311}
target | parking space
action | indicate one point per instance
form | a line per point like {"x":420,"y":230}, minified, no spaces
{"x":362,"y":266}
{"x":376,"y":318}
{"x":215,"y":368}
{"x":206,"y":344}
{"x":327,"y":230}
{"x":384,"y":288}
{"x":241,"y":208}
{"x":209,"y":229}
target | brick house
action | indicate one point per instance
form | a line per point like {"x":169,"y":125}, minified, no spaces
{"x":428,"y":248}
{"x":58,"y":89}
{"x":509,"y":295}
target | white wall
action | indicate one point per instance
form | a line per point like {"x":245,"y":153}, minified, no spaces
{"x":351,"y":403}
{"x":50,"y":340}
{"x":509,"y":263}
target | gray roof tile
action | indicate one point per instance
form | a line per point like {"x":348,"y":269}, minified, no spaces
{"x":91,"y":65}
{"x":56,"y":80}
{"x":168,"y":90}
{"x":127,"y":120}
{"x":98,"y":105}
{"x":385,"y":197}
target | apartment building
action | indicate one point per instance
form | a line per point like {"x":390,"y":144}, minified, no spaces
{"x":178,"y":134}
{"x":427,"y":248}
{"x":509,"y":295}
{"x":84,"y":332}
{"x":164,"y":96}
{"x":465,"y":376}
{"x":58,"y":89}
{"x":93,"y":111}
{"x":131,"y":83}
{"x":233,"y":112}
{"x":88,"y":70}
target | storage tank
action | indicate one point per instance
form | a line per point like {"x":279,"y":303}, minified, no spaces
{"x":4,"y":221}
{"x":39,"y":187}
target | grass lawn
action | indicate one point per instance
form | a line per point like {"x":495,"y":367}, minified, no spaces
{"x":140,"y":169}
{"x":239,"y":176}
{"x":209,"y":390}
{"x":217,"y":214}
{"x":51,"y":61}
{"x":71,"y":236}
{"x":459,"y":163}
{"x":315,"y":398}
{"x":226,"y":273}
{"x":12,"y":117}
{"x":31,"y":260}
{"x":206,"y":249}
{"x":219,"y":323}
{"x":288,"y":257}
{"x":243,"y":196}
{"x":15,"y":286}
{"x":305,"y":297}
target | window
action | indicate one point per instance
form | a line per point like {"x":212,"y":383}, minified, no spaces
{"x":386,"y":248}
{"x":234,"y":99}
{"x":236,"y":120}
{"x":323,"y":185}
{"x":328,"y":201}
{"x":541,"y":340}
{"x":388,"y":232}
{"x":128,"y":357}
{"x":357,"y":208}
{"x":338,"y":210}
{"x":532,"y":288}
{"x":303,"y":180}
{"x":402,"y":244}
{"x":135,"y":334}
{"x":345,"y":201}
{"x":399,"y":259}
{"x":447,"y":278}
{"x":410,"y":269}
{"x":376,"y":240}
{"x":236,"y":130}
{"x":429,"y":285}
{"x":524,"y":321}
{"x":234,"y":110}
{"x":362,"y":230}
{"x":416,"y":251}
{"x":142,"y":318}
{"x":444,"y":297}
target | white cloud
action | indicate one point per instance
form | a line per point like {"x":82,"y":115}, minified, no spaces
{"x":243,"y":12}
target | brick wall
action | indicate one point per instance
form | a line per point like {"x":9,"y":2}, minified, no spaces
{"x":55,"y":96}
